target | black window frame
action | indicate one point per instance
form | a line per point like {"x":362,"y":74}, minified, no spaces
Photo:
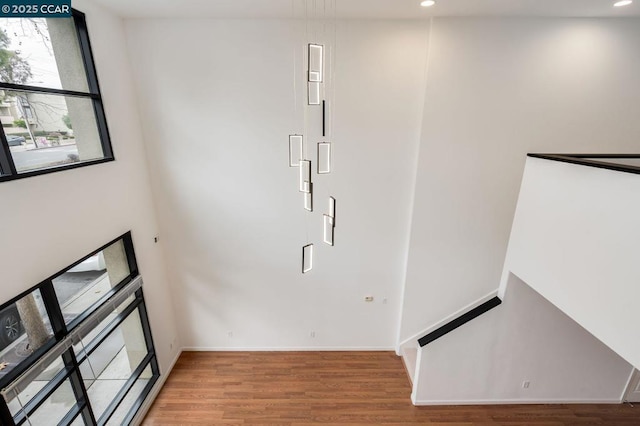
{"x":8,"y":171}
{"x":72,"y":360}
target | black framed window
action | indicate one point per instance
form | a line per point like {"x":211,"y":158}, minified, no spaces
{"x":51,"y":109}
{"x":77,"y":348}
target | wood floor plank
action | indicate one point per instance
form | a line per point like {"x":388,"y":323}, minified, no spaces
{"x":338,"y":388}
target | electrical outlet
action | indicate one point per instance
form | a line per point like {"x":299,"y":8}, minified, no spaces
{"x":368,"y":298}
{"x":230,"y":334}
{"x":156,"y":239}
{"x":525,"y":384}
{"x":312,"y":334}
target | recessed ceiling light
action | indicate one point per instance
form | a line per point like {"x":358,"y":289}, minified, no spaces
{"x":623,"y":3}
{"x":427,"y":3}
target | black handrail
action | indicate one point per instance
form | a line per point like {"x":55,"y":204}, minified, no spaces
{"x":461,"y":320}
{"x":586,"y":160}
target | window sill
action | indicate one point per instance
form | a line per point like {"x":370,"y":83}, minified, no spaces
{"x":38,"y":172}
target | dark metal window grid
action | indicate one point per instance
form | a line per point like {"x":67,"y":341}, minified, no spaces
{"x":71,"y":370}
{"x":8,"y":169}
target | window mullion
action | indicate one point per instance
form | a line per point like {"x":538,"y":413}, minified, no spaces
{"x":72,"y":415}
{"x":108,"y":412}
{"x":146,"y":327}
{"x":79,"y":389}
{"x":85,"y":50}
{"x":127,"y":240}
{"x":5,"y":415}
{"x":53,"y":309}
{"x":46,"y":90}
{"x":7,"y":165}
{"x":103,"y":130}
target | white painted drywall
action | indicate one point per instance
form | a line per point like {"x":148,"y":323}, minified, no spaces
{"x":575,"y":241}
{"x":217,"y":106}
{"x":497,"y":89}
{"x":524,"y":339}
{"x":50,"y":221}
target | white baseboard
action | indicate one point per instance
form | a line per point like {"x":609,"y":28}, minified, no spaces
{"x":288,"y":349}
{"x":142,"y":412}
{"x":514,"y":401}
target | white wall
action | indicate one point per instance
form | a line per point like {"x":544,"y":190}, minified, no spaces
{"x":50,"y":221}
{"x":575,"y":240}
{"x":497,"y":89}
{"x":217,"y":107}
{"x":529,"y":340}
{"x":216,"y":119}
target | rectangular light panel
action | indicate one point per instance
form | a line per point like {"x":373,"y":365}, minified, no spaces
{"x":332,"y":209}
{"x":316,"y":59}
{"x":314,"y":93}
{"x":307,"y":258}
{"x":295,"y":150}
{"x":328,"y":230}
{"x":324,"y":158}
{"x":305,"y":176}
{"x":308,"y":199}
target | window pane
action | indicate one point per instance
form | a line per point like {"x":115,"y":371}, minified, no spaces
{"x":112,"y":363}
{"x":86,"y":340}
{"x":54,"y":408}
{"x":130,"y":399}
{"x":46,"y":130}
{"x":16,"y":402}
{"x":82,"y":286}
{"x":44,"y":52}
{"x":24,"y":328}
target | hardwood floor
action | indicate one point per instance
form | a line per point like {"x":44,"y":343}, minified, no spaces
{"x":367,"y":388}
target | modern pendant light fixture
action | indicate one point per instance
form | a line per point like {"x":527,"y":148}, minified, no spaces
{"x":324,"y":158}
{"x":329,"y":222}
{"x":307,"y":258}
{"x":295,"y":150}
{"x":318,"y":107}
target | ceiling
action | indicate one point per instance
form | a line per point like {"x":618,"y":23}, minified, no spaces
{"x":367,"y":9}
